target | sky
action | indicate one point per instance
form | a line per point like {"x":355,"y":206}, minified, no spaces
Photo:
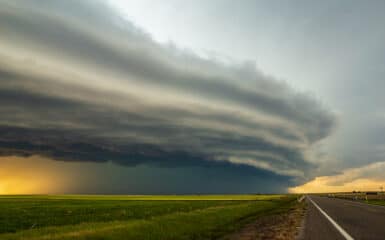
{"x":179,"y":97}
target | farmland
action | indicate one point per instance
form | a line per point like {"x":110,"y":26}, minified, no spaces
{"x":132,"y":217}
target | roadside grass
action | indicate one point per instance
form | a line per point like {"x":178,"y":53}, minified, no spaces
{"x":375,"y":199}
{"x":209,"y":222}
{"x":376,"y":202}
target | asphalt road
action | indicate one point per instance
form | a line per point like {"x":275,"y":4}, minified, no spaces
{"x":356,"y":220}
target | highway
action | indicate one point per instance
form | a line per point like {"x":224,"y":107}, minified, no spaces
{"x":331,"y":218}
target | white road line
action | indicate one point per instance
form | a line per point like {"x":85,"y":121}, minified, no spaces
{"x":340,"y":229}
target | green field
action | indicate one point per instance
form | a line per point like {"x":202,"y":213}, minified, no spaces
{"x":376,"y":202}
{"x":132,"y":217}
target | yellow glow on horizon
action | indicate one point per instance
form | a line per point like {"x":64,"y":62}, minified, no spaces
{"x":323,"y":185}
{"x":365,"y":178}
{"x":30,"y":175}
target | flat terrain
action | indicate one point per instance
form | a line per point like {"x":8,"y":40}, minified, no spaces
{"x":359,"y":220}
{"x":133,"y":217}
{"x":376,"y":202}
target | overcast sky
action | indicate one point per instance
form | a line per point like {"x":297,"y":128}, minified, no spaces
{"x":202,"y":96}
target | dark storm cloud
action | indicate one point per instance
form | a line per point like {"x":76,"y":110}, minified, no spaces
{"x":78,"y":83}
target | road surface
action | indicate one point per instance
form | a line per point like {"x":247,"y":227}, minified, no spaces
{"x":343,"y":219}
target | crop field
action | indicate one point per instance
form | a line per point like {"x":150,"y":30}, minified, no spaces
{"x":132,"y":217}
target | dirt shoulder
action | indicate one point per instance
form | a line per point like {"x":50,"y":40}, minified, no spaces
{"x":285,"y":224}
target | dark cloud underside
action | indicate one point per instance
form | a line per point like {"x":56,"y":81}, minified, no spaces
{"x":78,"y":83}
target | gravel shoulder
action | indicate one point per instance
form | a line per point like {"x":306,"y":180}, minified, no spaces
{"x":281,"y":225}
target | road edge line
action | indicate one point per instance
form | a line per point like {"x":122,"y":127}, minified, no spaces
{"x":338,"y":227}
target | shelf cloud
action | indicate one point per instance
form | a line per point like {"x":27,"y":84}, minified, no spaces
{"x":80,"y":83}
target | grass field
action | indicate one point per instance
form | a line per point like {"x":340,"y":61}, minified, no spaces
{"x":132,"y":217}
{"x":377,"y":202}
